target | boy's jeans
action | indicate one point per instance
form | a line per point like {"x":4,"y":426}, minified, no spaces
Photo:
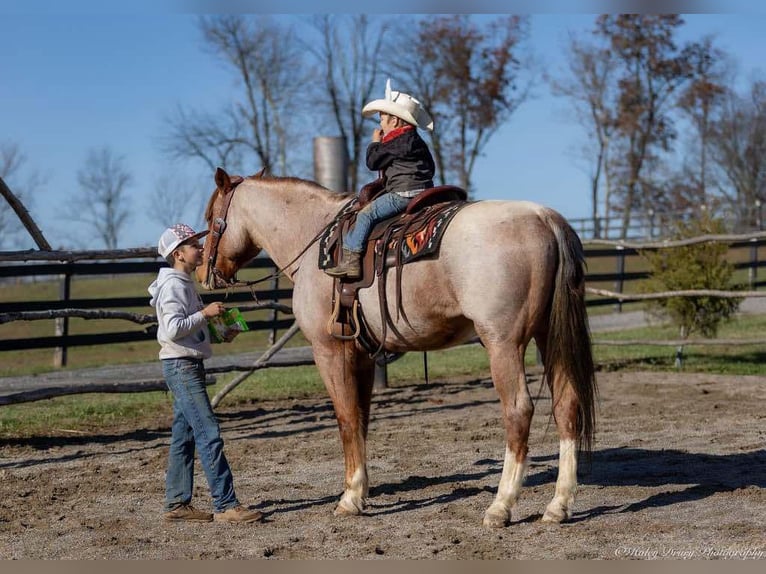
{"x":387,"y":205}
{"x":194,"y":423}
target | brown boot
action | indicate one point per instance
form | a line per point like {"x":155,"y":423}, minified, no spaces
{"x":186,"y":512}
{"x":238,"y":514}
{"x":348,"y":267}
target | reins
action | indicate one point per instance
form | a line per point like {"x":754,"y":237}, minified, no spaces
{"x":281,"y":271}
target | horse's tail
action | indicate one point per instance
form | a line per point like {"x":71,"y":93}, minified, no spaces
{"x":568,"y":352}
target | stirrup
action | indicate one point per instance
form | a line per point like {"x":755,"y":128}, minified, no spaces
{"x":355,"y":322}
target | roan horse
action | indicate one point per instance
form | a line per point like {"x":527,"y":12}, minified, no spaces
{"x":507,"y":271}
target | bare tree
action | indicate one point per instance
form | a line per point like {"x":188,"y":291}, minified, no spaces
{"x":652,"y":71}
{"x":101,"y":203}
{"x":701,"y":102}
{"x":589,"y":84}
{"x":214,"y":140}
{"x":260,"y":125}
{"x":169,"y":201}
{"x":468,"y":78}
{"x":348,"y":69}
{"x":738,"y":144}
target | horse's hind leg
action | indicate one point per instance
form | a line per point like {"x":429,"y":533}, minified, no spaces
{"x":348,"y":377}
{"x":565,"y":408}
{"x":507,"y":368}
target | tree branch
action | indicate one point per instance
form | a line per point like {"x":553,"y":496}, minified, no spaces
{"x":140,"y":318}
{"x":24,"y":216}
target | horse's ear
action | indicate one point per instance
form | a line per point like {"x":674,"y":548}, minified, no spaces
{"x":261,"y":173}
{"x":222,"y":180}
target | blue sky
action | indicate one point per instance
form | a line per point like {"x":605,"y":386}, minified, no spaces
{"x":71,"y":82}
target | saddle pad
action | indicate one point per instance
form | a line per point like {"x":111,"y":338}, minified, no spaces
{"x":330,"y":237}
{"x":418,"y":242}
{"x":424,"y":241}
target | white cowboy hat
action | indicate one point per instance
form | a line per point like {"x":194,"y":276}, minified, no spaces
{"x":402,"y":106}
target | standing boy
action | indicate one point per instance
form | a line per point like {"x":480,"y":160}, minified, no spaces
{"x":184,"y":344}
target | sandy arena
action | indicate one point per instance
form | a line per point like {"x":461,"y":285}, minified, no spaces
{"x":678,"y":471}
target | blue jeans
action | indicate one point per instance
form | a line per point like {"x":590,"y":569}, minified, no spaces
{"x":387,"y":205}
{"x":194,"y":425}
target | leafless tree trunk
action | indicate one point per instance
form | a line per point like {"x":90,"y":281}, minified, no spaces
{"x":590,"y":87}
{"x":651,"y":72}
{"x":702,"y":102}
{"x":738,"y":144}
{"x":101,"y":203}
{"x":348,"y":63}
{"x":260,"y":124}
{"x":468,"y":77}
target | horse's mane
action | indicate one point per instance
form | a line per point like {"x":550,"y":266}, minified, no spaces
{"x":262,"y":176}
{"x":209,"y":208}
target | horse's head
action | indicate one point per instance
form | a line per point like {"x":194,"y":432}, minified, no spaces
{"x":228,"y":246}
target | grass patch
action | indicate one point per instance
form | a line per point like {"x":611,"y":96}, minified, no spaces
{"x":83,"y":414}
{"x":730,"y":360}
{"x":88,"y":413}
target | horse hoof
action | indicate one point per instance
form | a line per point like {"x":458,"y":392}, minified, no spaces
{"x":346,"y":508}
{"x":496,"y":519}
{"x":555,"y":515}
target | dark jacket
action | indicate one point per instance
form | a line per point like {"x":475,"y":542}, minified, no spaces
{"x":405,"y":161}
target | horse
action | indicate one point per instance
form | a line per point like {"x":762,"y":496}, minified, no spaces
{"x":507,"y":272}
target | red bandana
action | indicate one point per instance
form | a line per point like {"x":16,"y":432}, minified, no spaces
{"x":393,"y":134}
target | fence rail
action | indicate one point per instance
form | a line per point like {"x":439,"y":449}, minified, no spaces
{"x":68,"y":306}
{"x":79,"y":264}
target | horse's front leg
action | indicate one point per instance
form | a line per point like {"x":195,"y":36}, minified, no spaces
{"x":348,"y":376}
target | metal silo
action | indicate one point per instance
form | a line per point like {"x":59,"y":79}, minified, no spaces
{"x":331,"y":163}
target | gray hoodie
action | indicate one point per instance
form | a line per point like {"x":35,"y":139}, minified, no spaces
{"x":182,"y":330}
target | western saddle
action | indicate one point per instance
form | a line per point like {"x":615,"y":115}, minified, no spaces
{"x":411,"y":235}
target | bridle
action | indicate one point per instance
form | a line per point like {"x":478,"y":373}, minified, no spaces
{"x":216,"y":232}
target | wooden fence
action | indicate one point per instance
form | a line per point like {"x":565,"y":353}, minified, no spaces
{"x":743,"y":250}
{"x":66,"y":305}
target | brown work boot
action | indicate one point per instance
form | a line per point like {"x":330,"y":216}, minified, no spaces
{"x":186,"y":512}
{"x":348,"y":267}
{"x":238,"y":514}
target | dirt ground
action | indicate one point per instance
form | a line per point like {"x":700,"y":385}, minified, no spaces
{"x":678,"y":471}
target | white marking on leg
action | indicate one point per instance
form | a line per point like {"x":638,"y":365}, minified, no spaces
{"x":560,"y":508}
{"x":352,"y":501}
{"x":499,"y":512}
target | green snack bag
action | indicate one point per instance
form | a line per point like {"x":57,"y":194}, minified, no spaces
{"x":221,"y":327}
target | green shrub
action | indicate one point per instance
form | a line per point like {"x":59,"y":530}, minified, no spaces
{"x":696,"y":266}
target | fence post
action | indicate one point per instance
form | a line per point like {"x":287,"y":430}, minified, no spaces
{"x":380,"y":376}
{"x":618,"y":284}
{"x":62,"y":323}
{"x":752,"y":272}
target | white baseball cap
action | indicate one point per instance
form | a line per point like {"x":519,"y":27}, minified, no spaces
{"x":174,"y":235}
